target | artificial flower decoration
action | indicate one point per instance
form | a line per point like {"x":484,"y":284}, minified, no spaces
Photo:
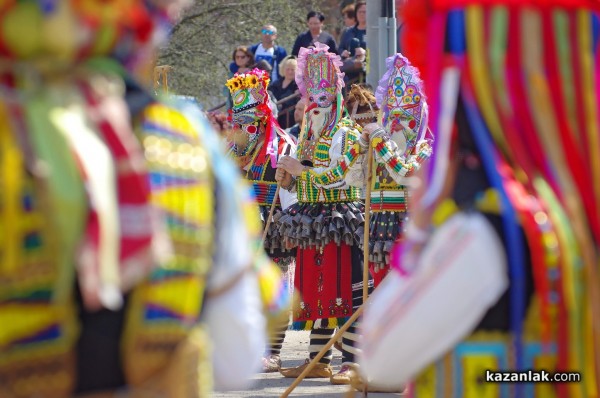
{"x":252,"y":81}
{"x":111,"y":12}
{"x":248,"y":90}
{"x":248,"y":80}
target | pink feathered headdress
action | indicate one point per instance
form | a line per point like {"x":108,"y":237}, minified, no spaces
{"x":400,"y":95}
{"x":319,"y":69}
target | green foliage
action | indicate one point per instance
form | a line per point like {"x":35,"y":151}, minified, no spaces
{"x":202,"y":43}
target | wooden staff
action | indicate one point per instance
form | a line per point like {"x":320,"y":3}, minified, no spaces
{"x":359,"y":311}
{"x":165,"y":80}
{"x":327,"y":346}
{"x":367,"y":225}
{"x":368,"y":213}
{"x":268,"y":222}
{"x":366,"y":236}
{"x":368,"y":189}
{"x":160,"y":73}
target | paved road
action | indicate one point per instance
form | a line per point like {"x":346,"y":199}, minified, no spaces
{"x":272,"y":385}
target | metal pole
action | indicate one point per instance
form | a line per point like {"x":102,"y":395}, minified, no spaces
{"x":392,"y":47}
{"x":374,"y":9}
{"x":382,"y":43}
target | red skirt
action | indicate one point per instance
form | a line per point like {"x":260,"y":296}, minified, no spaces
{"x":378,"y":272}
{"x":330,"y":283}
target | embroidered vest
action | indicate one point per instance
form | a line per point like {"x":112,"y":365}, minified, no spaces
{"x":386,"y":193}
{"x":318,"y":152}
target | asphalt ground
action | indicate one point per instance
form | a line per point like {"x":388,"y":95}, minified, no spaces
{"x":294,"y":352}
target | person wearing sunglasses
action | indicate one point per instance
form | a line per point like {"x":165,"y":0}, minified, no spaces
{"x":242,"y":60}
{"x":268,"y":50}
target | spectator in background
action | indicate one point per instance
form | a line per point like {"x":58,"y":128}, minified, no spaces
{"x":294,"y":131}
{"x":348,"y":20}
{"x":354,"y":68}
{"x":268,"y":50}
{"x":349,"y":17}
{"x":242,"y":60}
{"x":315,"y":33}
{"x":284,"y":87}
{"x":345,"y":3}
{"x":354,"y":37}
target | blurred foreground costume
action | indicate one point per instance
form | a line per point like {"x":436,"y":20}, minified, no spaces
{"x":514,"y":100}
{"x":118,"y":213}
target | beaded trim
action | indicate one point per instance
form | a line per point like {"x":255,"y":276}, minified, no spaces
{"x":328,"y":187}
{"x":367,"y":115}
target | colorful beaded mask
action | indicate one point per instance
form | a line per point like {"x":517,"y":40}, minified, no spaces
{"x":318,"y":75}
{"x":401,"y":100}
{"x":72,"y":30}
{"x":249,"y":95}
{"x":250,"y":108}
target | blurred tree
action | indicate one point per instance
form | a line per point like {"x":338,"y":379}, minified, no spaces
{"x":202,"y":42}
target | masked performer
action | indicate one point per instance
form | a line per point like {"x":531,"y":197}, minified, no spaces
{"x":257,"y":148}
{"x":400,"y":147}
{"x":327,"y":222}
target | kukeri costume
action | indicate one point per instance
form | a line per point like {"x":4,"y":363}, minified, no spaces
{"x":116,"y":213}
{"x":327,"y":222}
{"x":256,"y":149}
{"x":521,"y":189}
{"x":400,"y":147}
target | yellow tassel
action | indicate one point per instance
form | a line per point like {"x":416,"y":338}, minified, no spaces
{"x":444,"y":211}
{"x":11,"y":188}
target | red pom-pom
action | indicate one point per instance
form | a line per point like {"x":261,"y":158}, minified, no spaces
{"x":142,"y":23}
{"x":416,"y":15}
